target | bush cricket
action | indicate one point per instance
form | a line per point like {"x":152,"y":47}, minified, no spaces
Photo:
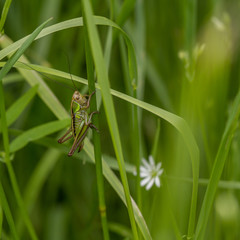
{"x":81,"y":121}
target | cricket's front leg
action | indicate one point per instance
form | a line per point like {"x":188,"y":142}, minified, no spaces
{"x":64,"y":138}
{"x":89,"y":99}
{"x":90,"y":116}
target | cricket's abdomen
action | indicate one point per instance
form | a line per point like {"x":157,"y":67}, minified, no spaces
{"x":79,"y":118}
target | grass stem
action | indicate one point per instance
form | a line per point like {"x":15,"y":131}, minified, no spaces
{"x":96,"y":140}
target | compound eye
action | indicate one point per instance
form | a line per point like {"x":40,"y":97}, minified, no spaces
{"x":77,"y":98}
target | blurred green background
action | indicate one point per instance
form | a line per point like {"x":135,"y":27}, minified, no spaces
{"x":188,"y":63}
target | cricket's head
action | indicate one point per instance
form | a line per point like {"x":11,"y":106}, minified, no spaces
{"x":79,"y":98}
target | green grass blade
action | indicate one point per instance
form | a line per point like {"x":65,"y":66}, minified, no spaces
{"x":37,"y":133}
{"x":96,"y":140}
{"x":158,"y":85}
{"x":179,"y":123}
{"x":44,"y":92}
{"x":126,"y":9}
{"x":39,"y":175}
{"x":12,"y":78}
{"x":6,"y":209}
{"x":1,"y":218}
{"x":36,"y":181}
{"x":218,"y":168}
{"x":117,"y":186}
{"x":48,"y":9}
{"x":77,"y":22}
{"x":111,"y":161}
{"x":17,"y":108}
{"x":6,"y":68}
{"x":121,"y":230}
{"x":154,"y":150}
{"x":9,"y":48}
{"x":21,"y":50}
{"x":4,"y":14}
{"x":102,"y":75}
{"x":194,"y":151}
{"x":44,"y":167}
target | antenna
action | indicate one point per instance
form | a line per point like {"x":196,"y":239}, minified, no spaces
{"x":65,"y":85}
{"x":69,"y":69}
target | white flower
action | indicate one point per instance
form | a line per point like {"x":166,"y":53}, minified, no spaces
{"x":150,"y":173}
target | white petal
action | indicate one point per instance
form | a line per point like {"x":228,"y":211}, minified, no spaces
{"x":158,"y":166}
{"x":143,"y":169}
{"x":134,"y":172}
{"x":145,"y":181}
{"x":157,"y":181}
{"x":160,"y":172}
{"x":144,"y":174}
{"x":149,"y":185}
{"x":151,"y":160}
{"x":145,"y":163}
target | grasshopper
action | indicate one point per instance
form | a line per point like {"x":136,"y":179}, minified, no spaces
{"x":81,"y":121}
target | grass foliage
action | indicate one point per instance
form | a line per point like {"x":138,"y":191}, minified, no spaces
{"x":167,"y":85}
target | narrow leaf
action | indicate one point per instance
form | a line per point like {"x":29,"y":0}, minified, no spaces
{"x":103,"y":80}
{"x":17,"y":108}
{"x":37,"y":133}
{"x":8,"y":214}
{"x":6,"y":68}
{"x":21,"y":50}
{"x":218,"y":168}
{"x":4,"y":14}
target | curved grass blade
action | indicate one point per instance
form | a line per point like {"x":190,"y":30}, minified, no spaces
{"x":44,"y":92}
{"x":28,"y":40}
{"x":178,"y":122}
{"x":117,"y":186}
{"x":6,"y":68}
{"x":76,"y":22}
{"x":36,"y":181}
{"x":126,"y":8}
{"x":37,"y":133}
{"x":17,"y":108}
{"x":111,"y":161}
{"x":44,"y":167}
{"x":96,"y":141}
{"x":193,"y":152}
{"x":49,"y":99}
{"x":218,"y":168}
{"x":103,"y":80}
{"x":6,"y":209}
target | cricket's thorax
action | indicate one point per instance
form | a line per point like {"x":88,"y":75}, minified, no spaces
{"x":79,"y":118}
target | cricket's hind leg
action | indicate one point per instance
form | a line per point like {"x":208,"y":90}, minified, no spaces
{"x":90,"y":118}
{"x":65,"y":137}
{"x":93,"y":126}
{"x":81,"y":147}
{"x":77,"y":143}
